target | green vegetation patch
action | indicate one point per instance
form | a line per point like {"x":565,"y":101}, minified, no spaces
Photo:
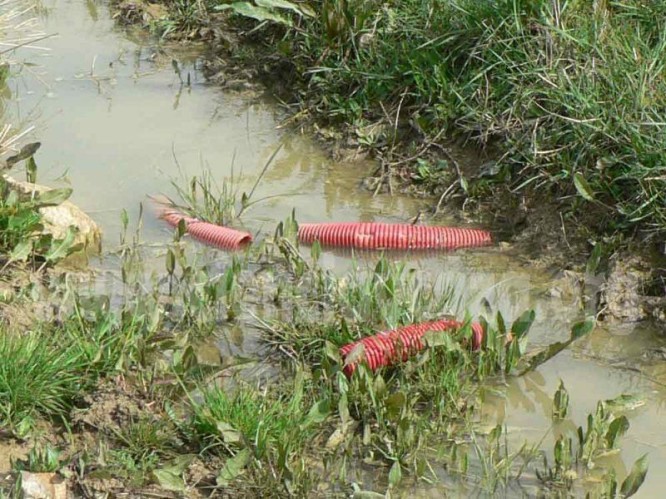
{"x":572,"y":94}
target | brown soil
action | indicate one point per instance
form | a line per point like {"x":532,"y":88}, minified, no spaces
{"x":11,"y":450}
{"x":108,"y":410}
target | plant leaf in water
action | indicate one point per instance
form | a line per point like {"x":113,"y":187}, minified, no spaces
{"x":560,"y":402}
{"x":545,"y":354}
{"x":487,"y":307}
{"x":124,"y":219}
{"x":170,"y":261}
{"x":4,"y":72}
{"x":27,"y":151}
{"x":635,"y":479}
{"x":233,"y":467}
{"x":53,"y":197}
{"x":315,"y":251}
{"x":522,"y":324}
{"x":617,"y":428}
{"x":501,"y":325}
{"x":181,"y":229}
{"x":31,"y":170}
{"x":625,"y":402}
{"x":581,"y":329}
{"x":583,"y":187}
{"x":246,"y":198}
{"x":578,"y":330}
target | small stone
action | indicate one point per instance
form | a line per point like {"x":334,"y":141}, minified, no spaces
{"x":42,"y":486}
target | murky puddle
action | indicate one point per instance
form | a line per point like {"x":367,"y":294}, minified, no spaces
{"x":117,"y":124}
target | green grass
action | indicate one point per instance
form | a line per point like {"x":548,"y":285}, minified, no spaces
{"x":38,"y":377}
{"x":563,"y":88}
{"x":266,"y":434}
{"x":341,"y":310}
{"x":247,"y":418}
{"x":466,"y":67}
{"x":41,"y":459}
{"x":140,"y":447}
{"x":287,"y":433}
{"x":571,"y":93}
{"x":45,"y":372}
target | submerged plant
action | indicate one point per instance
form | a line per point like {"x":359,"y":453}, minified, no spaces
{"x":575,"y":455}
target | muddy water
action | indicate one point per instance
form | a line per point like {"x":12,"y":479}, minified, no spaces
{"x":117,"y":124}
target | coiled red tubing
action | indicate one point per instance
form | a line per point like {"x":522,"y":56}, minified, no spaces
{"x":390,"y":347}
{"x":377,"y":235}
{"x":215,"y":235}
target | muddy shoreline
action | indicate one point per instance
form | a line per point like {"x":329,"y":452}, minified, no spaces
{"x":542,"y":230}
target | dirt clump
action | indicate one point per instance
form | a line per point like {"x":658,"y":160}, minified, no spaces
{"x":630,"y":293}
{"x":112,"y":406}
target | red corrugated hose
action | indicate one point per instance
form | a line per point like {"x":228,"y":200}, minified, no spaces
{"x":390,"y":347}
{"x":215,"y":235}
{"x":374,"y":236}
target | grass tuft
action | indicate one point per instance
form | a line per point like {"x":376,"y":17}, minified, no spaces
{"x":38,"y":377}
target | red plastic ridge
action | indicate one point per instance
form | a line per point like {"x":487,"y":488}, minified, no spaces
{"x":391,"y":236}
{"x":390,"y":347}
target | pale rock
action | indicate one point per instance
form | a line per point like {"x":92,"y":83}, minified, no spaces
{"x":58,"y":219}
{"x":42,"y":486}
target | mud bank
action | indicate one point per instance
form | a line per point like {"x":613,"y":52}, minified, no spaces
{"x":461,"y":173}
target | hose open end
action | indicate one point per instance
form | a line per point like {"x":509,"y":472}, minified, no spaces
{"x":221,"y":237}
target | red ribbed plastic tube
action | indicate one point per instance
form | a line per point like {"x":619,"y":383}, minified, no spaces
{"x":389,"y":347}
{"x":374,"y":236}
{"x":214,"y":235}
